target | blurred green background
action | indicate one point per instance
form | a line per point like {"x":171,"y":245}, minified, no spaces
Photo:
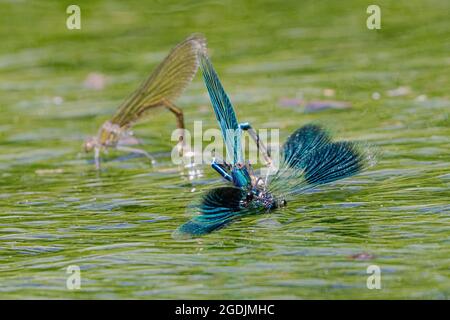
{"x":274,"y":57}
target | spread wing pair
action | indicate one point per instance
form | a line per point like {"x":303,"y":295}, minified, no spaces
{"x":309,"y":158}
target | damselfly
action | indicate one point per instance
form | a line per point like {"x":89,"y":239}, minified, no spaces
{"x":308,"y":158}
{"x":160,"y":89}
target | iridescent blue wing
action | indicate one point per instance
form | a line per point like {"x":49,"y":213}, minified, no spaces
{"x":333,"y":161}
{"x":302,"y":142}
{"x":224,"y":111}
{"x":216,"y":209}
{"x":310,"y":159}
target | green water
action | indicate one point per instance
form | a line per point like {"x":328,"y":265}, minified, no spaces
{"x":56,"y":211}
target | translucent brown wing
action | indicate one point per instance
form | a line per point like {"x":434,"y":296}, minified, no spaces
{"x":166,"y":82}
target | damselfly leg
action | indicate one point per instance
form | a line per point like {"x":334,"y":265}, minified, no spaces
{"x":222,"y":169}
{"x":259,"y":144}
{"x":180,"y":123}
{"x":97,"y":157}
{"x":137,"y":151}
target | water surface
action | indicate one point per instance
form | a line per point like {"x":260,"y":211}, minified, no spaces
{"x":56,"y":210}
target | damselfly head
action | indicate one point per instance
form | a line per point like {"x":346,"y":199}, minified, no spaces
{"x":270,"y":202}
{"x":90,"y":143}
{"x":281,"y":203}
{"x":258,"y":197}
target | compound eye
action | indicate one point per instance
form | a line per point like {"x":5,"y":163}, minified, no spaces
{"x":87,"y":146}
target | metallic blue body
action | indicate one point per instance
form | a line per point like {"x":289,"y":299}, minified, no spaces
{"x":231,"y":131}
{"x":309,"y":158}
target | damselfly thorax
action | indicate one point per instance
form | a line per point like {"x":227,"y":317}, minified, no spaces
{"x":108,"y":136}
{"x":258,"y":194}
{"x":111,"y":135}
